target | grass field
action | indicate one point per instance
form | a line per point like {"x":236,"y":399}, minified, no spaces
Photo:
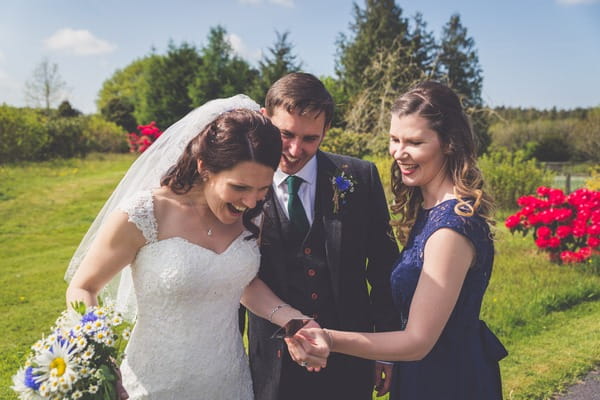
{"x":548,"y":316}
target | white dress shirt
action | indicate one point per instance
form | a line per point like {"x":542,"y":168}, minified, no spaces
{"x":307,"y":190}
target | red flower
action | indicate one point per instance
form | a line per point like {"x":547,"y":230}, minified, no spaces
{"x":543,"y":191}
{"x":593,"y":241}
{"x":554,"y":242}
{"x":512,"y":221}
{"x":544,"y":232}
{"x":594,"y":229}
{"x":563,"y":231}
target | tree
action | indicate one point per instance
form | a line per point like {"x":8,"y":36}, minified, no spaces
{"x":46,"y":86}
{"x":120,"y":111}
{"x":458,"y":66}
{"x":120,"y":95}
{"x":165,"y":88}
{"x":280,"y":62}
{"x":375,"y":28}
{"x":423,"y":47}
{"x":65,"y":110}
{"x":222,"y":73}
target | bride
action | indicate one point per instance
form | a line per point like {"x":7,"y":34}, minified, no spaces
{"x":176,"y":248}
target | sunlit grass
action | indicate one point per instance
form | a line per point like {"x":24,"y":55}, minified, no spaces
{"x":547,"y":315}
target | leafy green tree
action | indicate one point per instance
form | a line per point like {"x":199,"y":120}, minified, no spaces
{"x":222,"y":73}
{"x":46,"y":85}
{"x":458,"y":65}
{"x":120,"y":94}
{"x":280,"y":62}
{"x":165,"y":87}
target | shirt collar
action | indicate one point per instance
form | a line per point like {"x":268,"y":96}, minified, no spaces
{"x":308,"y":173}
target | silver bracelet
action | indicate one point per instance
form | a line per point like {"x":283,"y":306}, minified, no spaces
{"x":277,"y":308}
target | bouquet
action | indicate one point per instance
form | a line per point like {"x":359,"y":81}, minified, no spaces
{"x":565,"y":226}
{"x":78,"y":359}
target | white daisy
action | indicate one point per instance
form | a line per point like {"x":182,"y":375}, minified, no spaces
{"x":93,"y":388}
{"x":77,"y":395}
{"x":56,"y":364}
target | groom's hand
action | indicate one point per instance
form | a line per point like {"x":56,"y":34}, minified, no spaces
{"x":383,"y":377}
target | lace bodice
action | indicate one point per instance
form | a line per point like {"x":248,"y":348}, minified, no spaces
{"x":186,"y":342}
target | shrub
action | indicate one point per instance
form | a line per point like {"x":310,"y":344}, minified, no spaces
{"x":346,"y":142}
{"x":593,"y":183}
{"x":509,"y":176}
{"x":566,"y":227}
{"x":66,"y":138}
{"x":104,"y":136}
{"x":139,"y":142}
{"x":22,"y":134}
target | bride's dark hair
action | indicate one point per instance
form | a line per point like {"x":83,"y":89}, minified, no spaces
{"x":233,"y":137}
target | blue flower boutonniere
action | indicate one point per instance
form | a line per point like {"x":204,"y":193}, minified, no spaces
{"x":342,"y":185}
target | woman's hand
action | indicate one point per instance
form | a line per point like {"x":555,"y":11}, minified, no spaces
{"x":310,"y":347}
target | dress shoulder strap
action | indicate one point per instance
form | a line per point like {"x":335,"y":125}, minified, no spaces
{"x":140,"y":210}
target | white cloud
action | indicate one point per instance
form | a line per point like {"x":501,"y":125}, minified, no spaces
{"x":242,"y":49}
{"x":80,"y":42}
{"x":283,"y":3}
{"x":576,"y":2}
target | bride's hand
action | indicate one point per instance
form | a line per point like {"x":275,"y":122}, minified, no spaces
{"x":309,"y":348}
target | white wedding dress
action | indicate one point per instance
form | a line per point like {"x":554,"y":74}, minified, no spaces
{"x":186,"y":344}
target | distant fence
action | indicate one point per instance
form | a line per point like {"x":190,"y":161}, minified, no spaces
{"x":570,"y":176}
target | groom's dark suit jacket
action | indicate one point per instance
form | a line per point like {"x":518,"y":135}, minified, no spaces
{"x":358,"y":246}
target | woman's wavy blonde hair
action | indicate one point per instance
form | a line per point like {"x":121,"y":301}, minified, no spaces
{"x":441,"y":107}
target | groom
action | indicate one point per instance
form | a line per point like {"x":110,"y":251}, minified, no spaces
{"x":325,"y":235}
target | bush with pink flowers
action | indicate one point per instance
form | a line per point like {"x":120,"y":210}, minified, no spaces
{"x":567,"y":227}
{"x":147,"y":134}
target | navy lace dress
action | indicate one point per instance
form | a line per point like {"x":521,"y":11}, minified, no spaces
{"x":463,"y":364}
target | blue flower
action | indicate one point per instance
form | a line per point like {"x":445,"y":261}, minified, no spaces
{"x":89,"y":317}
{"x":30,"y":381}
{"x":342,"y":183}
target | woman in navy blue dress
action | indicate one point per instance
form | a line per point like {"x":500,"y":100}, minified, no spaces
{"x":444,"y":350}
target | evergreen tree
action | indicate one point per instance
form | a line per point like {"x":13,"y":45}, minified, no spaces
{"x":377,"y":27}
{"x":120,"y":111}
{"x":458,"y":66}
{"x":280,"y":62}
{"x":423,"y":47}
{"x":165,"y":89}
{"x":222,"y":73}
{"x":65,"y":110}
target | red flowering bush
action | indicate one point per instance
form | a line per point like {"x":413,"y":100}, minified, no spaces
{"x":567,"y":227}
{"x":139,"y":142}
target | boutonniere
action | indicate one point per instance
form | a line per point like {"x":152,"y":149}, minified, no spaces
{"x":343,"y":184}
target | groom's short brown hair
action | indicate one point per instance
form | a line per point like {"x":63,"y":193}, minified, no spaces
{"x":302,"y":93}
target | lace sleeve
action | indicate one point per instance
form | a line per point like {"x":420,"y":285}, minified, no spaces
{"x":140,"y":210}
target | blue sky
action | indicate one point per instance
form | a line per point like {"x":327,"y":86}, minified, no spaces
{"x":534,"y":53}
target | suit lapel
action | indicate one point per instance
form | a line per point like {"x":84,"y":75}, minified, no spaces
{"x":332,"y":223}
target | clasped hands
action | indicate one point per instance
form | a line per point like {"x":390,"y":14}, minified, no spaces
{"x":310,"y":346}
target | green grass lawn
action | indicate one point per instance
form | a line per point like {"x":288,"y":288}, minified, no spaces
{"x":548,"y":316}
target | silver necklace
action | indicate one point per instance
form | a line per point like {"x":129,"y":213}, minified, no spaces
{"x":209,"y":232}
